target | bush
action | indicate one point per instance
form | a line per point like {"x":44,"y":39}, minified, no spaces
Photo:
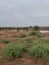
{"x":22,"y":35}
{"x":40,"y":35}
{"x":4,"y":41}
{"x":28,"y":40}
{"x":34,"y":32}
{"x":40,"y":41}
{"x":38,"y":51}
{"x":37,"y":33}
{"x":24,"y":47}
{"x":13,"y":50}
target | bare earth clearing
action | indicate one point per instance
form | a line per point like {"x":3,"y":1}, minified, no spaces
{"x":44,"y":31}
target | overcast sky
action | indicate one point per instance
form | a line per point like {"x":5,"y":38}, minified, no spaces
{"x":24,"y":12}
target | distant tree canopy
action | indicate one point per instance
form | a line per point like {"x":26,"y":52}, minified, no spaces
{"x":25,"y":28}
{"x":30,"y":26}
{"x":36,"y":27}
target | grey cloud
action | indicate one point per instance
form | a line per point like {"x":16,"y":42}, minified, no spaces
{"x":24,"y":12}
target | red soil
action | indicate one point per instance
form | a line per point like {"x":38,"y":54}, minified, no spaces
{"x":26,"y":59}
{"x":23,"y":61}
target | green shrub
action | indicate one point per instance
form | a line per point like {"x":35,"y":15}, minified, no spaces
{"x":39,"y":41}
{"x":33,"y":33}
{"x":28,"y":40}
{"x":40,"y":35}
{"x":4,"y":41}
{"x":38,"y":51}
{"x":24,"y":47}
{"x":13,"y":50}
{"x":37,"y":33}
{"x":22,"y":35}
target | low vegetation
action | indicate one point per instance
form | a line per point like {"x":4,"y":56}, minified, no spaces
{"x":13,"y":50}
{"x":38,"y":51}
{"x":36,"y":27}
{"x":4,"y":41}
{"x":30,"y":43}
{"x":37,"y":33}
{"x":28,"y":40}
{"x":22,"y":35}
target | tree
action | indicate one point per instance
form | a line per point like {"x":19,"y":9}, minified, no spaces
{"x":36,"y":27}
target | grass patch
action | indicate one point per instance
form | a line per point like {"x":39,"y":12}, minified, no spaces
{"x":28,"y":40}
{"x":13,"y":50}
{"x":4,"y":41}
{"x":37,"y":33}
{"x":38,"y":51}
{"x":22,"y":35}
{"x":37,"y":48}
